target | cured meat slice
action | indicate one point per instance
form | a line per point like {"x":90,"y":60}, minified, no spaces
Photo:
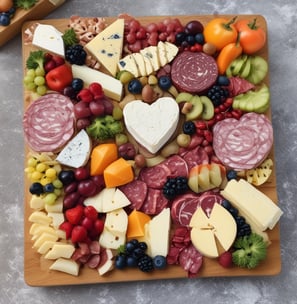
{"x":155,"y":202}
{"x":208,"y":199}
{"x":49,"y":123}
{"x":194,"y":72}
{"x":155,"y":177}
{"x":243,"y":144}
{"x":177,"y":166}
{"x":196,"y":156}
{"x":136,"y":192}
{"x":239,"y":86}
{"x":190,"y":260}
{"x":183,"y":207}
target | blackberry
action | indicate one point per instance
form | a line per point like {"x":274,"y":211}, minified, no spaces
{"x":217,"y":95}
{"x":175,"y":186}
{"x":145,"y":263}
{"x":76,"y":54}
{"x":189,"y":127}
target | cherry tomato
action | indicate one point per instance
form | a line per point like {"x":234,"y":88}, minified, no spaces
{"x":220,"y":32}
{"x":5,"y":5}
{"x":252,"y":37}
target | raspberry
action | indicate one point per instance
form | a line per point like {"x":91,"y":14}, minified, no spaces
{"x":225,"y":259}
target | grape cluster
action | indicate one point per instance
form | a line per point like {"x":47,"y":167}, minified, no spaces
{"x":175,"y":186}
{"x":34,"y":80}
{"x":243,"y":228}
{"x":133,"y":254}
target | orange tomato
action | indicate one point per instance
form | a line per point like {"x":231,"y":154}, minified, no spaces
{"x":252,"y":37}
{"x":5,"y":5}
{"x":220,"y":32}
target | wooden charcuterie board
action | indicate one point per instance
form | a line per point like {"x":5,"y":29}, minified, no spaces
{"x":36,"y":268}
{"x":41,"y":9}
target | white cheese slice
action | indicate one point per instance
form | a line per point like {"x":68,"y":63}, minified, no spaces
{"x":117,"y":201}
{"x":56,"y":207}
{"x":206,"y":231}
{"x":152,"y":125}
{"x":252,"y":203}
{"x":162,"y":53}
{"x":151,"y":52}
{"x":171,"y":51}
{"x":140,"y":64}
{"x":112,"y":240}
{"x":148,"y":65}
{"x":40,"y":217}
{"x":66,"y":265}
{"x":44,"y":237}
{"x":107,"y":46}
{"x":112,"y":87}
{"x":128,"y":64}
{"x":116,"y":221}
{"x":58,"y":218}
{"x":46,"y":246}
{"x":49,"y":38}
{"x":77,"y":151}
{"x":158,"y":229}
{"x":60,"y":250}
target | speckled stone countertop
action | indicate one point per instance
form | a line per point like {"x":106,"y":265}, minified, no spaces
{"x":282,"y":25}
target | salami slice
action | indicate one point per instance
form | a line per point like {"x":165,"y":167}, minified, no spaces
{"x":177,"y":166}
{"x":195,"y":157}
{"x":155,"y":177}
{"x":136,"y":192}
{"x":194,"y":72}
{"x":155,"y":202}
{"x":183,"y":207}
{"x":243,"y":144}
{"x":208,"y":199}
{"x":49,"y":123}
{"x":190,"y":260}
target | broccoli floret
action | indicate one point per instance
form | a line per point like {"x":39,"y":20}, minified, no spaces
{"x":103,"y":128}
{"x":69,"y":37}
{"x":249,"y":251}
{"x":35,"y":60}
{"x":25,"y":4}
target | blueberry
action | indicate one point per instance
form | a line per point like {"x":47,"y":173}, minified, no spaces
{"x":223,"y":81}
{"x":129,"y":247}
{"x":232,"y":174}
{"x":120,"y":262}
{"x":189,"y":127}
{"x":190,"y":39}
{"x":131,"y":261}
{"x":49,"y":188}
{"x":143,"y":246}
{"x":4,"y":19}
{"x":164,"y":82}
{"x":66,"y":177}
{"x":77,"y":84}
{"x":199,"y":38}
{"x":137,"y":253}
{"x":180,"y":38}
{"x":135,"y":86}
{"x":36,"y":188}
{"x":159,"y":262}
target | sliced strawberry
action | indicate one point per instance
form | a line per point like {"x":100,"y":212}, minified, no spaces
{"x":79,"y":234}
{"x":74,"y":215}
{"x":67,"y":227}
{"x":225,"y":259}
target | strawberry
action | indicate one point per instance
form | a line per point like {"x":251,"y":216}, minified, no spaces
{"x":74,"y":215}
{"x":85,"y":95}
{"x":67,"y":227}
{"x":225,"y":259}
{"x":96,"y":90}
{"x":99,"y":225}
{"x":91,"y":213}
{"x":79,"y":234}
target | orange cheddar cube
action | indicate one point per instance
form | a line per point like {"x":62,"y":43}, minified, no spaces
{"x":119,"y":172}
{"x":136,"y":223}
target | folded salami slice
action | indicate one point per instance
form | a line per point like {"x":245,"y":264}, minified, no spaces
{"x":243,"y":144}
{"x":49,"y":123}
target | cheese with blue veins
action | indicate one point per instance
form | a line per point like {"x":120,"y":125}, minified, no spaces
{"x":77,"y":152}
{"x":49,"y":38}
{"x":107,"y":46}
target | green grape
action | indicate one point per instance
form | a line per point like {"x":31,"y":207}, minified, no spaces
{"x":58,"y":192}
{"x":39,"y":80}
{"x":30,"y":86}
{"x":57,"y":184}
{"x":117,"y":113}
{"x":31,"y":73}
{"x":29,"y":79}
{"x":41,"y":167}
{"x":45,"y":180}
{"x":41,"y":90}
{"x":51,"y":173}
{"x":50,"y":198}
{"x":39,"y":72}
{"x":32,"y":162}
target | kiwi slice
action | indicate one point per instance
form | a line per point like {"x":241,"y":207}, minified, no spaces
{"x":245,"y":70}
{"x":259,"y":69}
{"x":183,"y":97}
{"x":208,"y":108}
{"x":197,"y":108}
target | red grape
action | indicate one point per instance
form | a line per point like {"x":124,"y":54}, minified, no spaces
{"x":81,"y":173}
{"x":82,"y":123}
{"x":91,"y":213}
{"x":70,"y":200}
{"x":97,"y":108}
{"x":82,"y":110}
{"x":87,"y":188}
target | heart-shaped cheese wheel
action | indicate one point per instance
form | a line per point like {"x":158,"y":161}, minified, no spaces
{"x":152,"y":125}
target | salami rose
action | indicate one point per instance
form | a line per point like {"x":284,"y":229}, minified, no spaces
{"x":49,"y":123}
{"x":243,"y":144}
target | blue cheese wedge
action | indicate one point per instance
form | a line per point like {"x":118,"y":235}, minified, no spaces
{"x":49,"y":38}
{"x":162,"y":53}
{"x":140,"y":64}
{"x":171,"y":51}
{"x":151,"y":53}
{"x":77,"y":152}
{"x":152,"y":125}
{"x":107,"y":46}
{"x":128,"y":64}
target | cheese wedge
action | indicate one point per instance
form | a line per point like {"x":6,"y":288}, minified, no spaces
{"x":107,"y":46}
{"x":162,"y":53}
{"x":138,"y":58}
{"x":60,"y":250}
{"x":151,"y":52}
{"x":66,"y":265}
{"x":116,"y":221}
{"x":253,"y":204}
{"x":128,"y":64}
{"x":171,"y":50}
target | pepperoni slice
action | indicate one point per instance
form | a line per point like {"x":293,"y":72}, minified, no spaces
{"x":190,"y":260}
{"x":49,"y":123}
{"x":243,"y":144}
